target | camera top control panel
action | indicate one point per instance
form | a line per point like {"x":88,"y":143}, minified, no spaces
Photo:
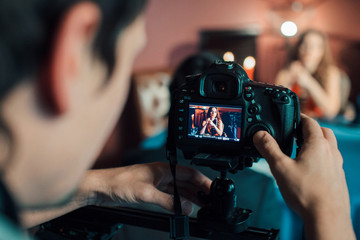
{"x":259,"y":99}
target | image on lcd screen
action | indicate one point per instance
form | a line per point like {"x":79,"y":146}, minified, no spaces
{"x":214,"y":122}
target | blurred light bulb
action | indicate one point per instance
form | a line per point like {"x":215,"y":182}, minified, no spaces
{"x":229,"y":57}
{"x":289,"y":29}
{"x":249,"y":62}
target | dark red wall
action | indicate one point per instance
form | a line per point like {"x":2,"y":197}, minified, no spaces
{"x":173,"y":30}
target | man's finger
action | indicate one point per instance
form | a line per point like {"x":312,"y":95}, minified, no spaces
{"x":330,"y":136}
{"x":195,"y":177}
{"x":153,"y":195}
{"x":310,"y":128}
{"x":269,"y":149}
{"x":166,"y":201}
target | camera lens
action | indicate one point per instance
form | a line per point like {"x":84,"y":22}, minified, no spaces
{"x":220,"y":86}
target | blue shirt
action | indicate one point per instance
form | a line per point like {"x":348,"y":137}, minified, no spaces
{"x":9,"y":221}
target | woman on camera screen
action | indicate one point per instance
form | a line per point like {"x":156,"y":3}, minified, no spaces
{"x":213,"y":124}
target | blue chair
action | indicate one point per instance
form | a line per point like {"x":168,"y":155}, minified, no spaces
{"x":348,"y":138}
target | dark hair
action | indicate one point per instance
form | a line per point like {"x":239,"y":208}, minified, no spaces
{"x":326,"y":61}
{"x":27,"y":29}
{"x":194,"y":64}
{"x":217,"y":113}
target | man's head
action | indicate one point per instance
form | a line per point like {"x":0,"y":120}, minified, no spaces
{"x":64,"y":70}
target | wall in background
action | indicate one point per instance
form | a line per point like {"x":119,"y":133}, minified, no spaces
{"x":173,"y":28}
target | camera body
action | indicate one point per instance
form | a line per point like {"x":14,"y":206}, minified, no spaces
{"x":242,"y":107}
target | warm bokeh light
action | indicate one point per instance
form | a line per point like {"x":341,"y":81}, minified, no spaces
{"x":289,"y":29}
{"x":249,"y":66}
{"x":229,"y":57}
{"x":249,"y":62}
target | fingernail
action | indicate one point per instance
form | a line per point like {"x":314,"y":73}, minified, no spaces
{"x":259,"y":135}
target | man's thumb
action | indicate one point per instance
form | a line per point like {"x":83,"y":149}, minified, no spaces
{"x":268,"y":148}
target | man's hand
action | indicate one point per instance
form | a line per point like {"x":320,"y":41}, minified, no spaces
{"x":313,"y":184}
{"x":144,"y":183}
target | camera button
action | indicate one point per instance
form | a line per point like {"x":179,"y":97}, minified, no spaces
{"x":268,"y":91}
{"x":276,"y":95}
{"x":250,"y":119}
{"x":249,"y":95}
{"x":230,"y":65}
{"x":254,"y":108}
{"x":285,"y":99}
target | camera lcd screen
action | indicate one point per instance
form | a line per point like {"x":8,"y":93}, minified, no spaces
{"x":214,"y":122}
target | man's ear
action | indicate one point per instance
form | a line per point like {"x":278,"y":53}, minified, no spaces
{"x":75,"y":34}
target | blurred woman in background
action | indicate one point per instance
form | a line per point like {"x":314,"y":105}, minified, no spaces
{"x":312,"y":75}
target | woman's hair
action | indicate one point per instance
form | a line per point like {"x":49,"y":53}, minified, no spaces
{"x":321,"y":72}
{"x":27,"y":29}
{"x":217,"y":113}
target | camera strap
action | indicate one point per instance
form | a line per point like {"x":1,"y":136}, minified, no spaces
{"x":177,"y":203}
{"x":179,"y":224}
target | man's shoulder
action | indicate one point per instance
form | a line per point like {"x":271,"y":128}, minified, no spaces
{"x":9,"y":231}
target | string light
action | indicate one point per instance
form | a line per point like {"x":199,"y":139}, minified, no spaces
{"x":249,"y":62}
{"x":229,"y":57}
{"x":288,"y":29}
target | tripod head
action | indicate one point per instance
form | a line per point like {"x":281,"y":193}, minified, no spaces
{"x":220,"y":212}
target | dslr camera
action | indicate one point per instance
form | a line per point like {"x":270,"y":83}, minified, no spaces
{"x":214,"y":116}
